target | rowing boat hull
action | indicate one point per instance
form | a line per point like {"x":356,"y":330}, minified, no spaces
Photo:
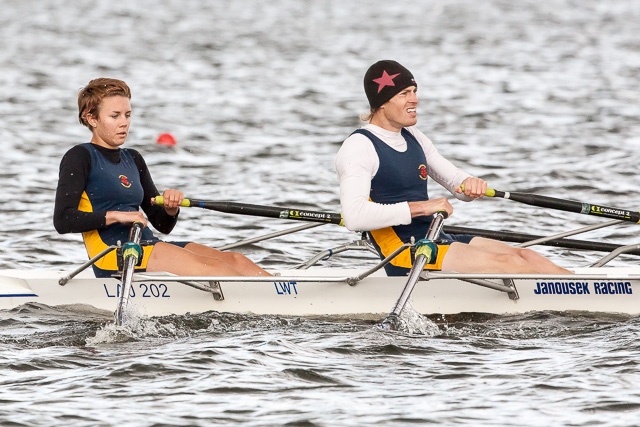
{"x":325,"y":292}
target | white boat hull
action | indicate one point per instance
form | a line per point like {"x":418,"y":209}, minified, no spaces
{"x":325,"y":292}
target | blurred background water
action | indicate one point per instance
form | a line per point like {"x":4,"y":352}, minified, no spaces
{"x":532,"y":96}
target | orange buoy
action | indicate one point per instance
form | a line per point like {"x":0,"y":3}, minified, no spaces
{"x":166,"y":139}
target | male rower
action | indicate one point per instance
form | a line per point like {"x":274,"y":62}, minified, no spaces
{"x":383,"y":169}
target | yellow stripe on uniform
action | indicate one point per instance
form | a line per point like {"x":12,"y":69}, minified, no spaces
{"x":94,"y":244}
{"x":388,"y":241}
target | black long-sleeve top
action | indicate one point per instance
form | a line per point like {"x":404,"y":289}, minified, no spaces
{"x":75,"y":167}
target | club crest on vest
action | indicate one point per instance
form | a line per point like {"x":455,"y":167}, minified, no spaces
{"x":124,"y":181}
{"x":423,"y":172}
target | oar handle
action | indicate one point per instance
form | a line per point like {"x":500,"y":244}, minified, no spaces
{"x":489,"y":193}
{"x":159,"y":200}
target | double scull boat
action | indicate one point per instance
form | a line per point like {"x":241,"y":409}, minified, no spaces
{"x":357,"y":293}
{"x":366,"y":292}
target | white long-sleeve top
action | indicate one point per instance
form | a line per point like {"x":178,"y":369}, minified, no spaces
{"x":357,"y":163}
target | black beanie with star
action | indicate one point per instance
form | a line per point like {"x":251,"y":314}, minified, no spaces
{"x":383,"y":80}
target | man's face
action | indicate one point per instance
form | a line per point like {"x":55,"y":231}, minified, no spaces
{"x":400,"y":111}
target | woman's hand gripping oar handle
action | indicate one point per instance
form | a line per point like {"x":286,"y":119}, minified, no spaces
{"x":426,"y":252}
{"x":566,"y":205}
{"x":259,"y":210}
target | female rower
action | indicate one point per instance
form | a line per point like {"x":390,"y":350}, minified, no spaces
{"x":102,"y":187}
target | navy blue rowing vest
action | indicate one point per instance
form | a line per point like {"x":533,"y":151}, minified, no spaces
{"x":401,"y":177}
{"x":111,"y":187}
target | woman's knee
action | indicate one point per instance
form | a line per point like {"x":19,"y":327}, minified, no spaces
{"x":237,"y":258}
{"x":511,"y":259}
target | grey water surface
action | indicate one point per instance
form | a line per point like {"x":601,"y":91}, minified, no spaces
{"x":536,"y":96}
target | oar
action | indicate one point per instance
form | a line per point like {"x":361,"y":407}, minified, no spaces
{"x":426,"y":251}
{"x":258,"y":210}
{"x":509,"y":236}
{"x":336,"y":218}
{"x":131,"y":254}
{"x":566,"y":205}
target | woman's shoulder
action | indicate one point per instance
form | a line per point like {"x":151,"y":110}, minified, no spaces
{"x":133,"y":151}
{"x":79,"y":151}
{"x":135,"y":154}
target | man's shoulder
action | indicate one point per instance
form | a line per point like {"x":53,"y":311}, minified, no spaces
{"x":419,"y":135}
{"x":360,"y":138}
{"x":414,"y":131}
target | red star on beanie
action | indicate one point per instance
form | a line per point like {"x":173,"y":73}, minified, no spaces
{"x":383,"y":80}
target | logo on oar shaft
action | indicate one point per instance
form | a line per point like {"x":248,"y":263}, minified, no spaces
{"x":602,"y":210}
{"x":294,"y":214}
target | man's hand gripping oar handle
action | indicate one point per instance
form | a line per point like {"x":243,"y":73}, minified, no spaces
{"x":565,"y":205}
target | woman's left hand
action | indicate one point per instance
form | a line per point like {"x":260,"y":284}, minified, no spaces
{"x":172,"y":200}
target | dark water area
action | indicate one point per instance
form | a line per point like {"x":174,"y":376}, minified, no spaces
{"x":532,"y":96}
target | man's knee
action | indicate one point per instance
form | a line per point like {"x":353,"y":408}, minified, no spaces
{"x":527,"y":254}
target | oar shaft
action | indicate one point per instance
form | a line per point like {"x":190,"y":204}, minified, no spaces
{"x":131,"y":254}
{"x":259,"y":210}
{"x":418,"y":265}
{"x":414,"y":276}
{"x":509,"y":236}
{"x":567,"y":205}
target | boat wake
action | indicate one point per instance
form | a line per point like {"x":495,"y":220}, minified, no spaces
{"x":136,"y":327}
{"x":39,"y":326}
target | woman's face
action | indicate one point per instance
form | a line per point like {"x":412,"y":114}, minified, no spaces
{"x":111,"y":127}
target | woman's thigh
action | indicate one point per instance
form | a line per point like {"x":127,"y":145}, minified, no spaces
{"x":182,"y":261}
